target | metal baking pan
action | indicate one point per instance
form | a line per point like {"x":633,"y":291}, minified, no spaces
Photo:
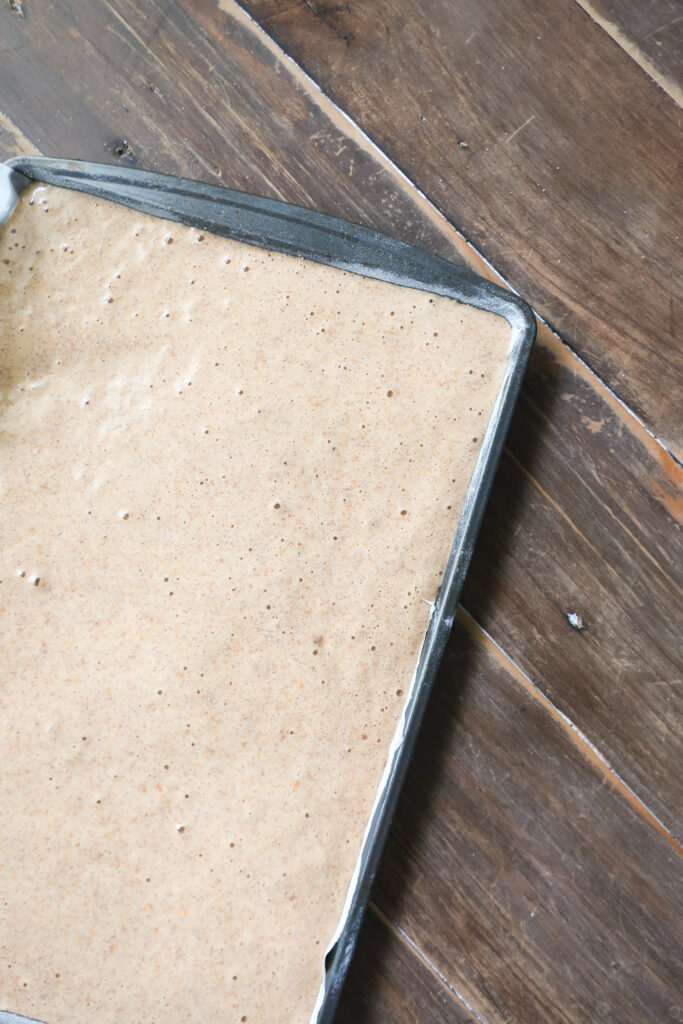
{"x":308,"y":234}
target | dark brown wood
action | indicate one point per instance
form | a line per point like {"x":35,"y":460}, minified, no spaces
{"x":650,"y":30}
{"x":192,"y":92}
{"x":538,"y":891}
{"x":389,"y":984}
{"x":543,"y":141}
{"x":583,"y":520}
{"x":145,"y":64}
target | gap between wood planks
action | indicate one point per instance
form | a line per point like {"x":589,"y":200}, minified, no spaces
{"x":560,"y":350}
{"x":578,"y":738}
{"x":633,"y":50}
{"x":423,"y":958}
{"x":547,"y":337}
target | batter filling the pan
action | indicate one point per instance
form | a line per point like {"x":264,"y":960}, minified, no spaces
{"x":230,"y":481}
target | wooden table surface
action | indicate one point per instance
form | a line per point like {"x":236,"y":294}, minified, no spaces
{"x":533,"y":871}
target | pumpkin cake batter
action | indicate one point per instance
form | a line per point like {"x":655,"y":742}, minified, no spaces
{"x":230,"y":481}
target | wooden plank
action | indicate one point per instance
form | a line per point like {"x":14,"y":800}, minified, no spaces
{"x":538,"y":892}
{"x":581,"y":515}
{"x":190,"y":92}
{"x":652,"y":33}
{"x":141,"y":67}
{"x":543,"y":142}
{"x":388,"y":983}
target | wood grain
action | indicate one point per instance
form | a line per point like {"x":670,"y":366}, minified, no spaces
{"x":389,"y":984}
{"x":537,"y":891}
{"x":192,"y":92}
{"x":582,"y":518}
{"x":555,"y":157}
{"x":652,"y":33}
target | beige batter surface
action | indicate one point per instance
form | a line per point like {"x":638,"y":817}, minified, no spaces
{"x":230,"y":481}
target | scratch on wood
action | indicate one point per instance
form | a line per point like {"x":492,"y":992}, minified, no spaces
{"x":661,"y":28}
{"x":518,"y":130}
{"x":126,"y":26}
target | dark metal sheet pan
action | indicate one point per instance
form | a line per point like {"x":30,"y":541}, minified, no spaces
{"x":308,"y":234}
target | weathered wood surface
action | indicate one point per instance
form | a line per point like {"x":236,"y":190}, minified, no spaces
{"x":651,"y":31}
{"x":533,"y":886}
{"x":191,"y":92}
{"x":582,"y":519}
{"x":389,"y":984}
{"x":543,"y":142}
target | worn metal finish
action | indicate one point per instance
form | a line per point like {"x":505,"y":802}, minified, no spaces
{"x":308,"y":234}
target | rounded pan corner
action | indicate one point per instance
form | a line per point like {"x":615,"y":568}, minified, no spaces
{"x":272,"y":223}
